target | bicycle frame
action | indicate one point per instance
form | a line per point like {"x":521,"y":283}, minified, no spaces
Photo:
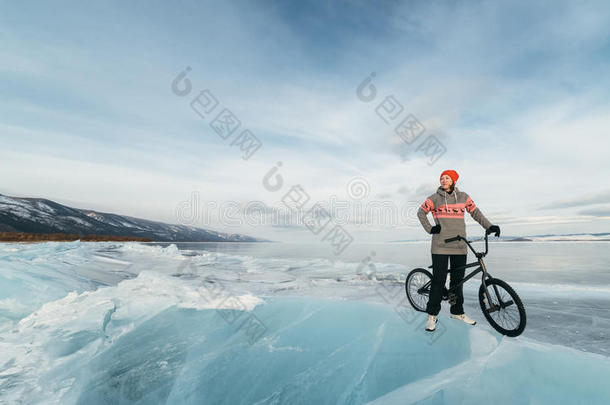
{"x":481,"y":268}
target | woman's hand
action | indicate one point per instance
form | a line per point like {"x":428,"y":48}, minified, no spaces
{"x":435,"y":229}
{"x":492,"y":229}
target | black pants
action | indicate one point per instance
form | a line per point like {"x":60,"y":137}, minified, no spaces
{"x":439,"y":278}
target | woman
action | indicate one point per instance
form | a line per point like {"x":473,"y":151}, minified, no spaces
{"x":448,"y":205}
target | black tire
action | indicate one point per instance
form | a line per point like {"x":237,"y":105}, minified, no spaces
{"x":508,"y":317}
{"x":416,"y":280}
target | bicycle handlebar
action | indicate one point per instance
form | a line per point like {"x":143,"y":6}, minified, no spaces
{"x":459,"y":237}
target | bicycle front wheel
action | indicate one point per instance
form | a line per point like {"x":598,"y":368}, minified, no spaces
{"x":417,"y":286}
{"x":505,"y":313}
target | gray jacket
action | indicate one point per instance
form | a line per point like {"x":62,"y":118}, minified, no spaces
{"x":448,"y":212}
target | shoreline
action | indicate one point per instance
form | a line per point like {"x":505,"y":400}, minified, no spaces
{"x":62,"y":237}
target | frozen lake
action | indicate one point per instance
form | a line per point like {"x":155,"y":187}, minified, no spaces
{"x":291,"y":323}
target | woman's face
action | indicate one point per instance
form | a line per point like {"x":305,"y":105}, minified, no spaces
{"x":446,"y":182}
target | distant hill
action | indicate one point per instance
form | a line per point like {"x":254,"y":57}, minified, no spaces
{"x":42,"y":216}
{"x":571,"y":237}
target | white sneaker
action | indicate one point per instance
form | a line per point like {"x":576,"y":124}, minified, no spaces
{"x":431,"y":324}
{"x":464,"y":318}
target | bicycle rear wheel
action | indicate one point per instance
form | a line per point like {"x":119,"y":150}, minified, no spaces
{"x":505,"y":313}
{"x":417,"y":287}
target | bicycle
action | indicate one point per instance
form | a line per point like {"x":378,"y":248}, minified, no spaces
{"x":500,"y":304}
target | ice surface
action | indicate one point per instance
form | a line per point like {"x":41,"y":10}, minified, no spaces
{"x":137,"y":323}
{"x":514,"y":371}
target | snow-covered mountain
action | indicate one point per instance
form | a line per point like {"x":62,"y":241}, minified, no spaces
{"x":38,"y":215}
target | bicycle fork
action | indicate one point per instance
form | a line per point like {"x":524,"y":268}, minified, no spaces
{"x":492,"y":306}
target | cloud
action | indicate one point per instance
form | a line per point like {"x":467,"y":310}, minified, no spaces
{"x":597,"y":212}
{"x":591,"y":199}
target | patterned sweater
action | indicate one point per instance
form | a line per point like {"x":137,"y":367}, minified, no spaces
{"x":448,"y":212}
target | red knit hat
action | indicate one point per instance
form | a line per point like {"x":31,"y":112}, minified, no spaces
{"x":451,"y":173}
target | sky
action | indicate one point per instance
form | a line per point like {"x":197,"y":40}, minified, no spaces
{"x":514,"y":96}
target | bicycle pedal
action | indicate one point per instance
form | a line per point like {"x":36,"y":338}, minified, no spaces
{"x":452,"y":298}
